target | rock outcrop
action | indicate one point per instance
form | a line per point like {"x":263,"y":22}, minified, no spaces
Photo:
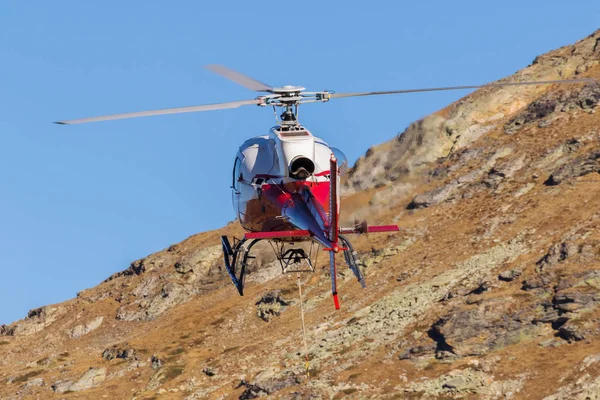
{"x":93,"y":377}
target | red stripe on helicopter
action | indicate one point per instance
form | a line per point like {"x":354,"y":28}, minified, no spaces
{"x":277,"y":234}
{"x":320,"y":190}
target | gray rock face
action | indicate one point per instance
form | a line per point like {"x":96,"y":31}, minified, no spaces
{"x":93,"y":377}
{"x":535,"y":111}
{"x":199,"y":261}
{"x":155,"y":294}
{"x":156,"y":362}
{"x":135,"y":268}
{"x":492,"y":324}
{"x":271,"y":305}
{"x":37,"y":320}
{"x":562,"y":302}
{"x":260,"y":389}
{"x":579,"y":167}
{"x":585,"y":385}
{"x":252,"y":391}
{"x":61,"y":386}
{"x":423,"y":142}
{"x":81,"y":330}
{"x":549,"y":104}
{"x":6,"y":330}
{"x":571,"y":332}
{"x":138,"y":267}
{"x":492,"y":171}
{"x":36,"y":382}
{"x":170,"y":295}
{"x":122,"y":352}
{"x":510,"y":275}
{"x":557,"y":253}
{"x":465,"y":383}
{"x":560,"y":252}
{"x":574,"y":296}
{"x":435,"y":196}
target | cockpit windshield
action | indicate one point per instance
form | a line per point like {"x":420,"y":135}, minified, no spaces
{"x":341,"y":160}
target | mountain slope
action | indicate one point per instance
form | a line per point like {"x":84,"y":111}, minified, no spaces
{"x":491,"y":290}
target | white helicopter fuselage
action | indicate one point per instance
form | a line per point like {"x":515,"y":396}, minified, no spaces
{"x":271,"y":170}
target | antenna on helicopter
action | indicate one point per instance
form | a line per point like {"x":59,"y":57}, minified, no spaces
{"x":289,"y":97}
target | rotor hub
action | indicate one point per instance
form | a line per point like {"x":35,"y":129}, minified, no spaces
{"x":287,"y":89}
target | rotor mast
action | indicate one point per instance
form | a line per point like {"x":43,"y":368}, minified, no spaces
{"x":289,"y":98}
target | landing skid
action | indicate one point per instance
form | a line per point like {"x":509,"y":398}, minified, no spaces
{"x":351,"y":258}
{"x":237,"y":257}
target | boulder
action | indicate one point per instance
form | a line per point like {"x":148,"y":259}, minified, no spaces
{"x":509,"y":275}
{"x":434,"y":196}
{"x":557,"y":253}
{"x":271,"y":305}
{"x":81,"y":330}
{"x":492,"y":324}
{"x":93,"y":377}
{"x":122,"y":352}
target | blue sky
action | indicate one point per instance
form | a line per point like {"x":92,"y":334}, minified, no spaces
{"x":78,"y":203}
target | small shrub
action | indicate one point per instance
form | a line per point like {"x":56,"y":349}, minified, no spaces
{"x":230,"y":349}
{"x":177,"y":351}
{"x":173,"y":372}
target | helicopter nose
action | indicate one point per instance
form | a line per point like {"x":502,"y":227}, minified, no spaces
{"x":301,"y":167}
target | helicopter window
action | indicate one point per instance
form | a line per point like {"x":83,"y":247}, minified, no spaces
{"x":236,"y":173}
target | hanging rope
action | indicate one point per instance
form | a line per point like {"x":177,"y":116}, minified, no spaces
{"x":306,"y":364}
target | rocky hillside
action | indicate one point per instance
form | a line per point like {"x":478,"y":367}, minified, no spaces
{"x":490,"y":291}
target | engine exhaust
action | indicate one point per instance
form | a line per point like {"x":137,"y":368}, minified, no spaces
{"x":301,"y":167}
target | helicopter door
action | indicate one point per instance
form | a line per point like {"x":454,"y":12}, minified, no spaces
{"x":235,"y":186}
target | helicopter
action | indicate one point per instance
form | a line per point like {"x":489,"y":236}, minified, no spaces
{"x":286,"y":184}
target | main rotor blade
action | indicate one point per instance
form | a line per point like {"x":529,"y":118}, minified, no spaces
{"x":239,"y":78}
{"x":178,"y":110}
{"x":340,"y":95}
